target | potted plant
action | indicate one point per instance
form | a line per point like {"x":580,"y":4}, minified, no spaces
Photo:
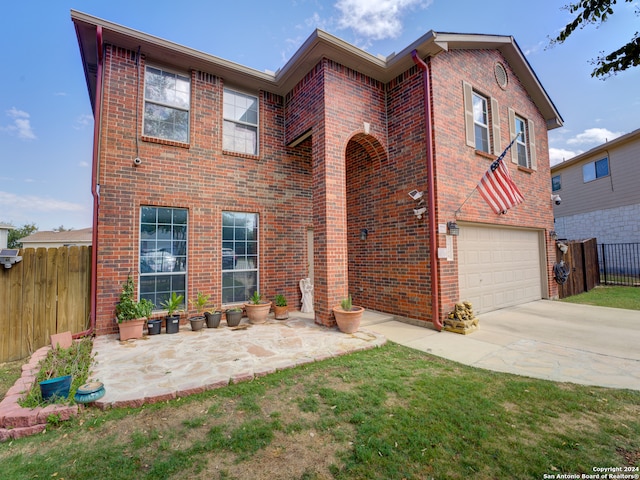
{"x":199,"y":303}
{"x":234,"y":315}
{"x":348,"y":316}
{"x":213,"y":318}
{"x":280,"y":308}
{"x":257,"y":310}
{"x":131,"y":315}
{"x":171,"y":305}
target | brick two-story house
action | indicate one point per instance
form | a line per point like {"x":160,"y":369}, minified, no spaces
{"x":211,"y":176}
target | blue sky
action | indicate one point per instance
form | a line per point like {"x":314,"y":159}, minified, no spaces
{"x":45,"y":117}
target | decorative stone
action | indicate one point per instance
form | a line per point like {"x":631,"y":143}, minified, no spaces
{"x":306,"y":287}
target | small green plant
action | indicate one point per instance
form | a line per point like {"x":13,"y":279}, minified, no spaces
{"x":173,"y":303}
{"x":75,"y":361}
{"x":234,"y":309}
{"x":280,"y":300}
{"x":256,"y":298}
{"x":200,"y":303}
{"x":346,"y":303}
{"x":128,"y":308}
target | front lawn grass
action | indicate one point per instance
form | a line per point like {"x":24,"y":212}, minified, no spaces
{"x":387,"y":413}
{"x":606,"y":296}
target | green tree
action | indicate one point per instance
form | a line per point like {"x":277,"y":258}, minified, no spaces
{"x":597,"y":12}
{"x":13,"y":239}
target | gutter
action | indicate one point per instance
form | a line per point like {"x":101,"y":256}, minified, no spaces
{"x":94,"y":187}
{"x":433,"y":247}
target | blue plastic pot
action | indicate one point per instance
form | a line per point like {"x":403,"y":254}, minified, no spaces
{"x":55,"y":387}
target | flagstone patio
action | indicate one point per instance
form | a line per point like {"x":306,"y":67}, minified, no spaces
{"x":162,"y":367}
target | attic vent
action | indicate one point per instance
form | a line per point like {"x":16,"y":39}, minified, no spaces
{"x":501,"y":75}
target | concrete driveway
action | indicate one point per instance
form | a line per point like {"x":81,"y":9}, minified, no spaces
{"x":544,"y":339}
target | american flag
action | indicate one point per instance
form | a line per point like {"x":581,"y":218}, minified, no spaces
{"x":497,"y":187}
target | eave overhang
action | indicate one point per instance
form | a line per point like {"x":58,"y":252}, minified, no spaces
{"x":318,"y":45}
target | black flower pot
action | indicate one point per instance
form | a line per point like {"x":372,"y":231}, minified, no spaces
{"x":154,"y":326}
{"x":213,"y":319}
{"x":173,"y":324}
{"x":233,"y":318}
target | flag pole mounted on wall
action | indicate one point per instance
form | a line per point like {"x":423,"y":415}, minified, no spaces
{"x":497,"y":187}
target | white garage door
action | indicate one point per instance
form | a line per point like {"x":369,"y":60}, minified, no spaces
{"x":498,"y":267}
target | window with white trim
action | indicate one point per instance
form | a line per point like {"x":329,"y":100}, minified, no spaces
{"x":240,"y":131}
{"x":594,"y":170}
{"x":167,"y":100}
{"x":481,"y":120}
{"x":523,"y":151}
{"x":163,"y":253}
{"x":239,"y":256}
{"x":521,"y":142}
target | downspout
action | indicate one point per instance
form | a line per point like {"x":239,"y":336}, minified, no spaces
{"x":94,"y":187}
{"x":433,"y":245}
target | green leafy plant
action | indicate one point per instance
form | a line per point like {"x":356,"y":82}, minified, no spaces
{"x":200,"y":302}
{"x":75,"y":361}
{"x":173,"y":303}
{"x":280,"y":300}
{"x":256,"y":298}
{"x":128,"y":308}
{"x":346,"y":303}
{"x":234,"y":309}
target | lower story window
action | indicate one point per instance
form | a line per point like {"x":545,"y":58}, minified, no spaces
{"x":239,"y":256}
{"x":163,"y":253}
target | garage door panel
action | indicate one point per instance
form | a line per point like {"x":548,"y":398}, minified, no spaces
{"x":498,"y":267}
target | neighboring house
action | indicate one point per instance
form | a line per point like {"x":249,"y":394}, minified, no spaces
{"x":600,"y":193}
{"x":68,"y":238}
{"x":218,"y":178}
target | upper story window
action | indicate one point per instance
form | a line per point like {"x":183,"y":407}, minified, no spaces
{"x":481,"y":120}
{"x":240,"y":133}
{"x":522,"y":142}
{"x":167,"y":98}
{"x":523,"y":151}
{"x":556,"y":183}
{"x":597,"y":169}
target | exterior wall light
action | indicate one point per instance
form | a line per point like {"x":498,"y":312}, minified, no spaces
{"x":453,"y":228}
{"x":364,"y":233}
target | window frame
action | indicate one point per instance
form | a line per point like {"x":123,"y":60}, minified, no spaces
{"x":553,"y":183}
{"x":245,"y":247}
{"x":236,"y":122}
{"x":493,"y":120}
{"x":478,"y":125}
{"x":595,"y":170}
{"x":166,"y":104}
{"x":530,"y":141}
{"x":177,"y":255}
{"x":522,"y":142}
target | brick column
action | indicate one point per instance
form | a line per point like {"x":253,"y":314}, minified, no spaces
{"x":329,"y":225}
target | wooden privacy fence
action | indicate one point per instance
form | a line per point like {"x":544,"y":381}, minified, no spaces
{"x":48,"y":292}
{"x":582,"y":260}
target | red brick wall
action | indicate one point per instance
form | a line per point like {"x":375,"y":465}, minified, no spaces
{"x":459,"y":168}
{"x":365,"y":153}
{"x":200,"y":177}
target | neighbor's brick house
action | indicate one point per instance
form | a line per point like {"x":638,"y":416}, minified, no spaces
{"x":255,"y":180}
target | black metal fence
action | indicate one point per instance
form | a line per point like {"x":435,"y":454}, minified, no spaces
{"x":619,"y":263}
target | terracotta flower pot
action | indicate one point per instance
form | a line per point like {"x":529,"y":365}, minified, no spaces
{"x":131,"y":328}
{"x":281,"y":313}
{"x":348,"y":320}
{"x":257,"y":313}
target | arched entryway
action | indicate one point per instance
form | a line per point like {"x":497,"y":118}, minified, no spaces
{"x":371,"y":216}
